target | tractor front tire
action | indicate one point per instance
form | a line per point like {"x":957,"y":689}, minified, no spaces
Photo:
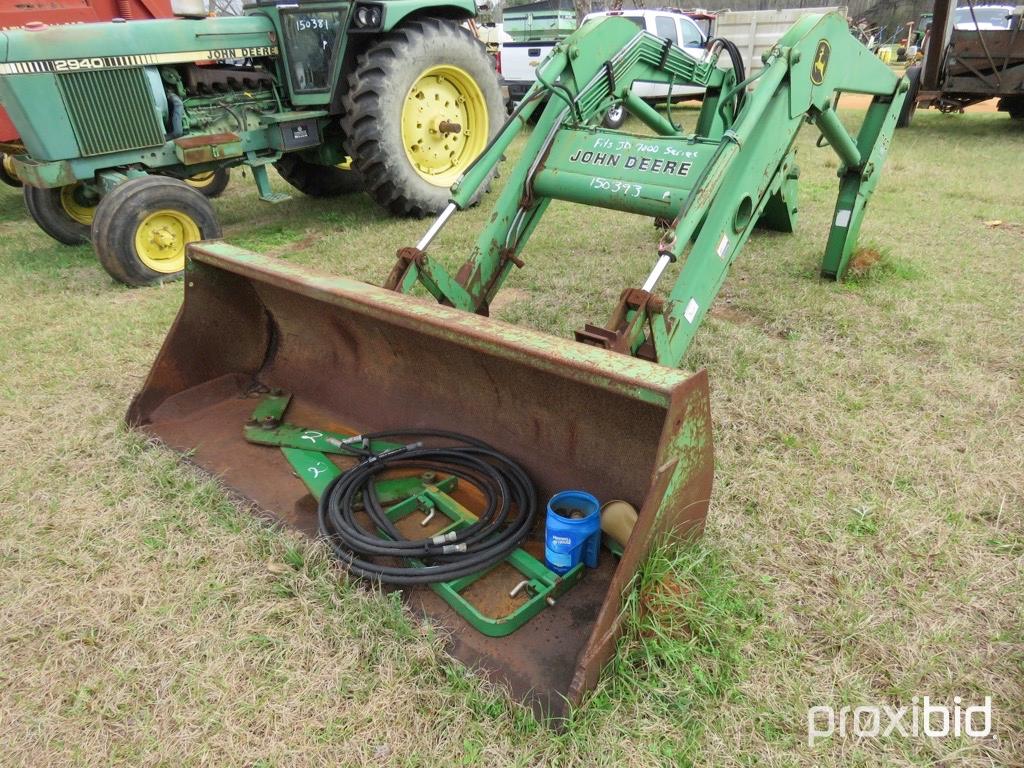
{"x":64,"y":213}
{"x":142,"y":227}
{"x":210,"y":184}
{"x":422,"y":104}
{"x":909,"y":107}
{"x":318,"y":180}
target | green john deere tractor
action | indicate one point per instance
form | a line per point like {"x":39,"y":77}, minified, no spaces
{"x":119,"y":121}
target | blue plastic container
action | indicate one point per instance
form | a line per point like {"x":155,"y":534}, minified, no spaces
{"x":569,"y":541}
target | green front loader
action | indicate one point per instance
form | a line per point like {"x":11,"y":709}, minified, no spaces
{"x":610,"y":412}
{"x":393,"y":98}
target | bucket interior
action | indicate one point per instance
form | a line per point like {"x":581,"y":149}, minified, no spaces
{"x":361,"y":359}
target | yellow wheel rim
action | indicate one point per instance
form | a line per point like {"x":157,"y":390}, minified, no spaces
{"x":161,"y":238}
{"x":78,"y":203}
{"x":200,"y":180}
{"x":444,"y":124}
{"x":9,"y":166}
{"x":345,"y":165}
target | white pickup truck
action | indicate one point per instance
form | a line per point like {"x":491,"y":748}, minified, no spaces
{"x":519,"y":61}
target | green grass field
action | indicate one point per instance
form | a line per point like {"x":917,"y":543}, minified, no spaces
{"x":865,"y":542}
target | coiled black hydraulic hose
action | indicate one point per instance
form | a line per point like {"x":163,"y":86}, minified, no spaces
{"x":739,"y":68}
{"x":510,"y":510}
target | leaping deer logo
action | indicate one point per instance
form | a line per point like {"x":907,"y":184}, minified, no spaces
{"x":820,"y":62}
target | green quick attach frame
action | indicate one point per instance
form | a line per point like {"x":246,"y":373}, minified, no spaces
{"x":307,"y":450}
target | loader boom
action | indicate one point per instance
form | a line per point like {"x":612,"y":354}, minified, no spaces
{"x":736,"y":170}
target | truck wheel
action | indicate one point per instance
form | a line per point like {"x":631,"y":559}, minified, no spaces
{"x":1013,"y":105}
{"x":210,"y":184}
{"x":910,"y":104}
{"x":318,"y":180}
{"x":7,"y":174}
{"x":64,"y":213}
{"x":142,"y":227}
{"x":422,"y":104}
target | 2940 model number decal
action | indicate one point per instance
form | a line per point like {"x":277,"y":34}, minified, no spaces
{"x":141,"y":60}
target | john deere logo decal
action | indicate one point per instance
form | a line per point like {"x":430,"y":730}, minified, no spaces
{"x":820,"y":62}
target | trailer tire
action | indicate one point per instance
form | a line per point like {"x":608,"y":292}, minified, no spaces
{"x":142,"y":227}
{"x":422,"y":103}
{"x":7,"y":174}
{"x":909,"y":107}
{"x":64,"y":213}
{"x":318,"y":180}
{"x":210,"y":184}
{"x":1013,"y":106}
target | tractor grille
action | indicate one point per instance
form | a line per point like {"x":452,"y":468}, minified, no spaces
{"x":110,"y":110}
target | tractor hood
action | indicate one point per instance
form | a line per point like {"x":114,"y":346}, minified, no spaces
{"x":159,"y":41}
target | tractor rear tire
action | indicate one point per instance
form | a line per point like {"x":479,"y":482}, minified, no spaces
{"x":909,"y":107}
{"x":422,"y":103}
{"x":210,"y":184}
{"x":64,"y":213}
{"x":318,"y":180}
{"x":7,"y":174}
{"x":142,"y":227}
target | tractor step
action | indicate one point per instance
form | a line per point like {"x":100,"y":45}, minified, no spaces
{"x":262,"y":179}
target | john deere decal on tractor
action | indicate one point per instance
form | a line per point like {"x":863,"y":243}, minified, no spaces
{"x":375,"y":381}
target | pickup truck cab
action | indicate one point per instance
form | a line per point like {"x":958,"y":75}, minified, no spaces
{"x":669,"y":24}
{"x":519,"y":60}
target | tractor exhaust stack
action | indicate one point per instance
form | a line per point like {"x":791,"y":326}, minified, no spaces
{"x":361,"y":358}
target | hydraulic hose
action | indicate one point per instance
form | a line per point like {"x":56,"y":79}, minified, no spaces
{"x":739,"y":68}
{"x":507,"y":518}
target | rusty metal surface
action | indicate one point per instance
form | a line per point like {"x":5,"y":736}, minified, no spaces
{"x":207,"y":140}
{"x":359,"y":357}
{"x":207,"y":148}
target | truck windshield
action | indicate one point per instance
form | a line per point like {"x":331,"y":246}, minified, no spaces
{"x":311,"y":39}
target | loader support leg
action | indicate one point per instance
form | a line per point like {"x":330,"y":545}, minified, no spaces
{"x":857,"y":183}
{"x":780,"y":212}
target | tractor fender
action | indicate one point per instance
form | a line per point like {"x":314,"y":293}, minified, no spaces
{"x":396,"y":11}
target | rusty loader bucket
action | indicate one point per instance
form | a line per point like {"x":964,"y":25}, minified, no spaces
{"x":360,"y":358}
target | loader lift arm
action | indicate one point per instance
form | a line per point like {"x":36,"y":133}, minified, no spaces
{"x":737,"y":169}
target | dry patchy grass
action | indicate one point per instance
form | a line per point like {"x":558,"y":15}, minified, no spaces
{"x":864,"y":545}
